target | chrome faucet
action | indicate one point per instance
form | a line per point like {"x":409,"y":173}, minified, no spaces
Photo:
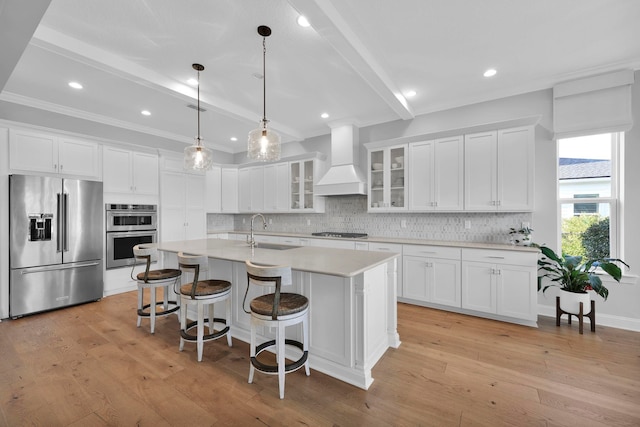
{"x":250,"y":238}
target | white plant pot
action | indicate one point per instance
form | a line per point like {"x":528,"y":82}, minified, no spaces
{"x":570,"y":302}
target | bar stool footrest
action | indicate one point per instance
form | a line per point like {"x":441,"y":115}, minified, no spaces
{"x":145,"y":312}
{"x":194,"y":338}
{"x":273,"y":369}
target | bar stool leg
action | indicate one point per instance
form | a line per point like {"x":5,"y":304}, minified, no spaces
{"x":228,"y":317}
{"x":183,"y":323}
{"x":305,"y":344}
{"x":280,"y":338}
{"x":165,"y":292}
{"x":152,"y":309}
{"x":200,"y":328}
{"x":211,"y":317}
{"x":140,"y":303}
{"x":252,"y":350}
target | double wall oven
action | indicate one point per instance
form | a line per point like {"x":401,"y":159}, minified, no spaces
{"x":127,"y":226}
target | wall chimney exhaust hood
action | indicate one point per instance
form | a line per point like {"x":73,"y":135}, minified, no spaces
{"x":343,"y":177}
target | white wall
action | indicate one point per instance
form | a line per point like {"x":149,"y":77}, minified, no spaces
{"x":4,"y":223}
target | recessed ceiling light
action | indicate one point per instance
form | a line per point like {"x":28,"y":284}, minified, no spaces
{"x":192,"y":82}
{"x":303,"y":21}
{"x":145,"y":112}
{"x":324,"y":115}
{"x":75,"y":85}
{"x":233,"y":138}
{"x":490,"y":72}
{"x":410,"y":93}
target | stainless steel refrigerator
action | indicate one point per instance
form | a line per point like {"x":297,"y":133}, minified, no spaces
{"x":55,"y":243}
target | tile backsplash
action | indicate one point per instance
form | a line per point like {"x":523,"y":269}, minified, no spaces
{"x":349,"y":214}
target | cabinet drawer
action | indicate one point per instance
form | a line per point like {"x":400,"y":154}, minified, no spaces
{"x":501,"y":257}
{"x":431,"y":251}
{"x":385,"y":247}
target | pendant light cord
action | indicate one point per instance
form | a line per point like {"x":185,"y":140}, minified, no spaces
{"x":264,"y":82}
{"x":198,"y":137}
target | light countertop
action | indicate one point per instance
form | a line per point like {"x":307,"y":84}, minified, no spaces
{"x":401,"y":241}
{"x":334,"y":262}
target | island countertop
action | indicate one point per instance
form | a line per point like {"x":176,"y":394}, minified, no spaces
{"x":335,"y":262}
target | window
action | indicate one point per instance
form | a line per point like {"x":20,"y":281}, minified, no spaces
{"x":585,"y":208}
{"x":588,"y":194}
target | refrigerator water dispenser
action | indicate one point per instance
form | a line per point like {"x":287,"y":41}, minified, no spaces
{"x":40,"y":227}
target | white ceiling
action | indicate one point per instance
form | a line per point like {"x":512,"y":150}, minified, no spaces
{"x":354,"y":61}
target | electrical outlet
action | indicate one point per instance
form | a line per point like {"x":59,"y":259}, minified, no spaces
{"x":403,"y":223}
{"x":308,"y":222}
{"x":467,"y":225}
{"x":270,"y":221}
{"x":244,"y":220}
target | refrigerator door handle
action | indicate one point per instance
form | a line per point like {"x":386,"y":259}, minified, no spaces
{"x":65,"y":197}
{"x":59,"y":236}
{"x":57,"y":267}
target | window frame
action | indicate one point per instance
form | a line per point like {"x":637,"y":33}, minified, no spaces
{"x":615,"y":214}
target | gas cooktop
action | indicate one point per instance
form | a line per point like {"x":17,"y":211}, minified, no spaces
{"x":340,"y":234}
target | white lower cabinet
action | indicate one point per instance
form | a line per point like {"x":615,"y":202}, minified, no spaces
{"x":432,"y":274}
{"x":500,"y":282}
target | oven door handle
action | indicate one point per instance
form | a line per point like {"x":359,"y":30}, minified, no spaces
{"x":116,"y":234}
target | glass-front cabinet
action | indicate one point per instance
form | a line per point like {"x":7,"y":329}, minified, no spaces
{"x":302,"y":176}
{"x":387,"y":178}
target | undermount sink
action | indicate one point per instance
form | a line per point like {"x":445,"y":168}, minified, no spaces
{"x":275,"y":246}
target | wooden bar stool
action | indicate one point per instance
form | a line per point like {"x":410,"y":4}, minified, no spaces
{"x":202,"y":293}
{"x":153,"y":279}
{"x":276,"y":310}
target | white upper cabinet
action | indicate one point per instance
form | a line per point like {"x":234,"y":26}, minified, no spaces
{"x":213,"y":190}
{"x":38,"y":152}
{"x":251,"y":189}
{"x":387,"y":176}
{"x":276,"y":187}
{"x":302,"y":176}
{"x":436,"y":175}
{"x":499,"y":170}
{"x":182,"y":214}
{"x":130,"y":172}
{"x":229,"y":190}
{"x":516,"y":153}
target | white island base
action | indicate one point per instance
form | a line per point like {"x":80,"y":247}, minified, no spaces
{"x":353,"y":319}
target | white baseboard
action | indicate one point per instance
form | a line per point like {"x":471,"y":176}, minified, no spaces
{"x":120,"y":290}
{"x":610,"y":320}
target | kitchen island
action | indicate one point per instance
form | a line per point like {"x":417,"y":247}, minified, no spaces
{"x":352,"y":298}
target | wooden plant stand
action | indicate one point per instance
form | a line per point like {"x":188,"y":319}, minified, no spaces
{"x":580,"y":316}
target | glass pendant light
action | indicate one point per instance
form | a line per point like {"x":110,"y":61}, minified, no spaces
{"x":197,"y":156}
{"x":263,"y":144}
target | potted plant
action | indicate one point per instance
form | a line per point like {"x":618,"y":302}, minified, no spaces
{"x":520,"y":236}
{"x":575,"y":276}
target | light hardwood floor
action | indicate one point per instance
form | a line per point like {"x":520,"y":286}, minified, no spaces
{"x":90,"y":366}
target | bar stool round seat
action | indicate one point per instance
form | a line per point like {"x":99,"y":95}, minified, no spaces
{"x":203,"y":294}
{"x":153,"y":279}
{"x":276,"y":310}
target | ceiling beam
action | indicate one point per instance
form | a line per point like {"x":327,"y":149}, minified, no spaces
{"x":332,"y":27}
{"x":101,"y":59}
{"x":18,"y":21}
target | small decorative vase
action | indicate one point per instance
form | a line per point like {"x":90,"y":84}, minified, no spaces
{"x":570,"y":302}
{"x":520,"y":239}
